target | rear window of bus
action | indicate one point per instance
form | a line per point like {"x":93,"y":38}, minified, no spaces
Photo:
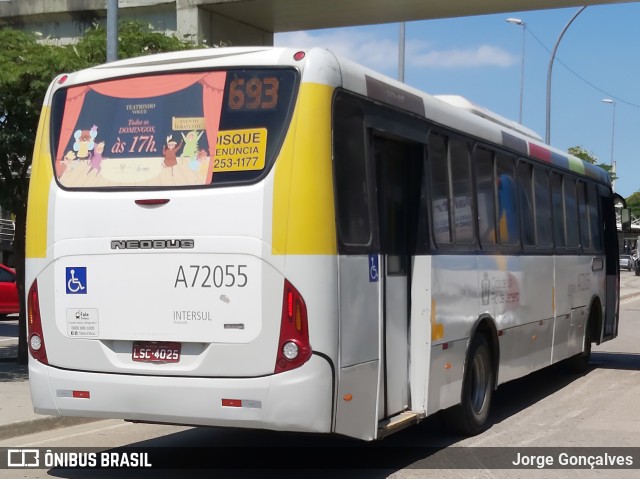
{"x":171,"y":130}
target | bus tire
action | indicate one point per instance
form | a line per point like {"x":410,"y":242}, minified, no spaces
{"x":579,"y":364}
{"x":470,"y":416}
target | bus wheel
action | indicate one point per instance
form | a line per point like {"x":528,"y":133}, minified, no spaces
{"x":579,"y":363}
{"x":470,"y":416}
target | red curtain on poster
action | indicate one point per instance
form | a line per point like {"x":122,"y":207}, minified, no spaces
{"x":147,"y":87}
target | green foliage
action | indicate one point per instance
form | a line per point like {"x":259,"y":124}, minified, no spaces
{"x":583,"y":154}
{"x":134,"y":39}
{"x":633,"y":203}
{"x":26,"y":70}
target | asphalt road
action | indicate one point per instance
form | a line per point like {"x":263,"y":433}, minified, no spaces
{"x":550,"y":408}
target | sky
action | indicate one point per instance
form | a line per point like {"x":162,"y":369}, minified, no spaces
{"x":480,"y":58}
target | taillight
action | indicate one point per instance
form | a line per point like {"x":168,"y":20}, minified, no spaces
{"x":34,"y":326}
{"x":293,"y":347}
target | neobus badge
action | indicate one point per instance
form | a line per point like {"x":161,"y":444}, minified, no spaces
{"x":153,"y":244}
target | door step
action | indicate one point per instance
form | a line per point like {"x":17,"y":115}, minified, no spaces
{"x":398,"y":422}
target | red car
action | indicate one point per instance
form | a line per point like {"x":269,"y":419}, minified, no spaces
{"x":8,"y":292}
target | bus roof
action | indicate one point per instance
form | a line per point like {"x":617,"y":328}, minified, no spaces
{"x":452,"y":111}
{"x":460,"y":114}
{"x":465,"y":104}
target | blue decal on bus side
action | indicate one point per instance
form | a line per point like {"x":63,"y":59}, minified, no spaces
{"x":76,"y":280}
{"x":373,"y":268}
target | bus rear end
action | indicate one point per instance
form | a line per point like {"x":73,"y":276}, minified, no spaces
{"x":155,"y":293}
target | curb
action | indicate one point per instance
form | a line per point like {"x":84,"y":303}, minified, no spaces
{"x":46,"y":423}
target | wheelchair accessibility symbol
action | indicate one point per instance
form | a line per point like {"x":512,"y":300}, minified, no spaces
{"x":76,"y":278}
{"x":373,"y":268}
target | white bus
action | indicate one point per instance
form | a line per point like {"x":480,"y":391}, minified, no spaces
{"x":271,"y":238}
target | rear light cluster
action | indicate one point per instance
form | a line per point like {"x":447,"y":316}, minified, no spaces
{"x":293,"y":347}
{"x":34,"y":326}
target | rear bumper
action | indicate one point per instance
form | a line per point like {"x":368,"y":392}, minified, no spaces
{"x":299,"y":400}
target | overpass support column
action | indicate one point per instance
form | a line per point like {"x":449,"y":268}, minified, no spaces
{"x":202,"y":25}
{"x":190,"y":24}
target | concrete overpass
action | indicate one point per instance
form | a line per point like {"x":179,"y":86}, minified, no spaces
{"x":251,"y":22}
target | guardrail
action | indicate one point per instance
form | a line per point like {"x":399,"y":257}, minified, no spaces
{"x":7,"y":232}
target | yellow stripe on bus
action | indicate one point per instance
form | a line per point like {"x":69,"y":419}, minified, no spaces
{"x":41,"y":176}
{"x":303,"y":209}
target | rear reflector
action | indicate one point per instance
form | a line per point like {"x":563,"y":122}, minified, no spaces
{"x":76,"y":394}
{"x":34,"y":326}
{"x":242,"y":403}
{"x":293,"y":347}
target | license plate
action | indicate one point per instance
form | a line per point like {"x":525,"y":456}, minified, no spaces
{"x":156,"y":352}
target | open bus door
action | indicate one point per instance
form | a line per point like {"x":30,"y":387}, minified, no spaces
{"x":375,"y":308}
{"x":378,"y":185}
{"x":383,"y":259}
{"x":399,"y":166}
{"x":609,"y":204}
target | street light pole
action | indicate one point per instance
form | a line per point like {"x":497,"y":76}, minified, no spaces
{"x":517,"y":21}
{"x":401,"y":42}
{"x":613,"y":132}
{"x":547,"y":136}
{"x":112,"y":30}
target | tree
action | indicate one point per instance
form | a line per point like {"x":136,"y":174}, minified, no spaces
{"x":633,"y":203}
{"x":589,"y":157}
{"x":27,"y":69}
{"x":583,"y":154}
{"x":134,"y":39}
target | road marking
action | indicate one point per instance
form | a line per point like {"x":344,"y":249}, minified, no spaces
{"x":96,"y":427}
{"x":630,"y":299}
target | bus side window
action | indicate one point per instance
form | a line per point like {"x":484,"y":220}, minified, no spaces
{"x":463,"y":223}
{"x":583,"y":212}
{"x":485,"y":196}
{"x":526,"y":203}
{"x":571,"y":212}
{"x":544,"y":231}
{"x":508,"y":224}
{"x":594,"y":218}
{"x":557,"y":201}
{"x":352,"y":198}
{"x":439,"y":188}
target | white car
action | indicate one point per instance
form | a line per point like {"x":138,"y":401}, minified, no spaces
{"x":626,"y":262}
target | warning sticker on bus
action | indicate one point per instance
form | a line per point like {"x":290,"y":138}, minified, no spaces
{"x":240,"y":150}
{"x":82,"y":323}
